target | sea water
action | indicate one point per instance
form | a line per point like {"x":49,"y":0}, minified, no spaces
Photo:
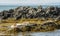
{"x":7,"y":7}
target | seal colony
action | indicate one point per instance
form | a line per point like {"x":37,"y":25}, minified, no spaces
{"x":44,"y":19}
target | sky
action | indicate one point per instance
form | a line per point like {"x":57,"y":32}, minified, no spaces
{"x":29,"y":2}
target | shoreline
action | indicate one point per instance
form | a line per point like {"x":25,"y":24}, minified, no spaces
{"x":39,"y":19}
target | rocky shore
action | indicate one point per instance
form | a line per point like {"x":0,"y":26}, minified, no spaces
{"x":27,"y":12}
{"x":30,"y":12}
{"x":29,"y":27}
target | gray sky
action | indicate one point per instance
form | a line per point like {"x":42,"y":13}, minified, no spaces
{"x":29,"y":2}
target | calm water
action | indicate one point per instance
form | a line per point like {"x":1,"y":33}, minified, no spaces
{"x":53,"y":33}
{"x":6,"y":7}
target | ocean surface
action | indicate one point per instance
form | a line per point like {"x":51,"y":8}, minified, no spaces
{"x":5,"y":7}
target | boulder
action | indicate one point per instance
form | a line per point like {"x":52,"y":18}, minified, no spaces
{"x":11,"y":11}
{"x":31,"y":12}
{"x":4,"y":14}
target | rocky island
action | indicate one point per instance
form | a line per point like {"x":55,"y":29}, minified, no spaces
{"x":30,"y":12}
{"x":39,"y":18}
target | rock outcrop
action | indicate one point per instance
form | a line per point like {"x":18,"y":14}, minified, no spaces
{"x":49,"y":26}
{"x":30,"y":12}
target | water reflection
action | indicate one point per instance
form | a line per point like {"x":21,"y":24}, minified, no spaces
{"x":54,"y":33}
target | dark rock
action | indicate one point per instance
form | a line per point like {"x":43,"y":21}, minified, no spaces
{"x":11,"y":11}
{"x":57,"y":19}
{"x":58,"y":26}
{"x":30,"y":12}
{"x":18,"y":30}
{"x":28,"y":28}
{"x":49,"y":26}
{"x":4,"y":14}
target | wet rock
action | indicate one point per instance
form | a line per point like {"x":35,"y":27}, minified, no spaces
{"x":17,"y":16}
{"x":52,"y":11}
{"x":4,"y":14}
{"x":28,"y":28}
{"x":57,"y":19}
{"x":31,"y":12}
{"x":11,"y":11}
{"x":25,"y":28}
{"x":50,"y":8}
{"x":58,"y":26}
{"x":18,"y":30}
{"x":48,"y":26}
{"x":30,"y":16}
